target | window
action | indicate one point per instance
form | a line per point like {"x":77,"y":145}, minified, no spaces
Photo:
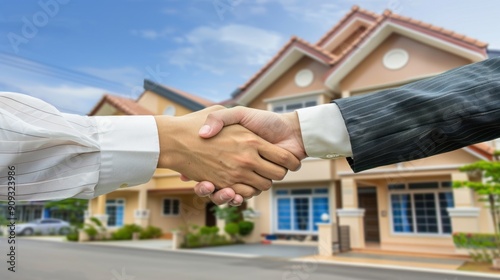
{"x":171,"y":207}
{"x":298,"y":210}
{"x":115,"y":209}
{"x":292,"y":105}
{"x":421,"y":208}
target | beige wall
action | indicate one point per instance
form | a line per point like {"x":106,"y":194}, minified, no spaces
{"x":423,"y":60}
{"x":158,"y":104}
{"x":192,"y":212}
{"x":285,"y":85}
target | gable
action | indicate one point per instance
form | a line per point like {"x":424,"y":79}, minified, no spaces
{"x":158,"y":104}
{"x":285,"y":85}
{"x":423,"y":61}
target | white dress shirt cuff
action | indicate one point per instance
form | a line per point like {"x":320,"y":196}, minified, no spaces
{"x":324,"y":132}
{"x":129,"y":151}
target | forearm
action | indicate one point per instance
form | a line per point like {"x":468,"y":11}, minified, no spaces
{"x":432,"y":116}
{"x":58,"y":155}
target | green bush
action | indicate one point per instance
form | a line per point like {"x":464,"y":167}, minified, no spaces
{"x":91,"y":231}
{"x":476,"y":240}
{"x":245,"y":227}
{"x":150,"y":232}
{"x":232,"y":229}
{"x":482,"y":247}
{"x":126,"y":232}
{"x":72,"y":235}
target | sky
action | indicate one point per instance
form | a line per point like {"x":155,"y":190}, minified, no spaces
{"x":70,"y":52}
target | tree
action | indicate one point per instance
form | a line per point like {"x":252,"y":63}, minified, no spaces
{"x":488,"y":188}
{"x":73,"y":206}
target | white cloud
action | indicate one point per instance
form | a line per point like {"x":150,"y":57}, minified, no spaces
{"x":226,"y":49}
{"x":152,"y":34}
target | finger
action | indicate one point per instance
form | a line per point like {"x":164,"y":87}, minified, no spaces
{"x":245,"y":191}
{"x":279,"y":156}
{"x":237,"y":200}
{"x":223,"y":196}
{"x":184,"y":178}
{"x":204,"y":188}
{"x":269,"y":170}
{"x":254,"y":180}
{"x":217,"y":120}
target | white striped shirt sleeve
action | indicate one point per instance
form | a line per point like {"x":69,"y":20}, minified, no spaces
{"x":47,"y":155}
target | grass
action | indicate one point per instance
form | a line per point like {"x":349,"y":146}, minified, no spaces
{"x":478,"y":267}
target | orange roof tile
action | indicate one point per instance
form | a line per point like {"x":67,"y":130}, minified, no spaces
{"x":484,"y":149}
{"x":327,"y":57}
{"x":127,"y":105}
{"x":337,"y":26}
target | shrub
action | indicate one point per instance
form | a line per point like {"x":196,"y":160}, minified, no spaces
{"x":91,"y":231}
{"x":476,"y":240}
{"x":232,"y":229}
{"x":72,"y":235}
{"x":150,"y":232}
{"x":126,"y":232}
{"x":245,"y":227}
{"x":482,"y":247}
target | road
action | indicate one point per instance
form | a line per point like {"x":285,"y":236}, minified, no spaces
{"x":45,"y":260}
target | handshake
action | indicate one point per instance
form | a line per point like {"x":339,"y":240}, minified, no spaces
{"x":234,"y":154}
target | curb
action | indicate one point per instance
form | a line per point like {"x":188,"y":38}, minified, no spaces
{"x":405,"y":268}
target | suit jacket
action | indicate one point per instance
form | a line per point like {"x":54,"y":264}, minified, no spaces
{"x":436,"y":115}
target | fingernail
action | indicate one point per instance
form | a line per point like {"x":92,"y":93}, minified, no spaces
{"x":205,"y":191}
{"x":224,"y":196}
{"x":204,"y":130}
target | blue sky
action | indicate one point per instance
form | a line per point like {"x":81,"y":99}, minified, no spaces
{"x":70,"y":52}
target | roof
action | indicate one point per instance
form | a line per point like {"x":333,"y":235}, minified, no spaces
{"x":493,"y":53}
{"x":294,"y":41}
{"x":126,"y":105}
{"x":185,"y":99}
{"x":483,"y":149}
{"x":374,"y":21}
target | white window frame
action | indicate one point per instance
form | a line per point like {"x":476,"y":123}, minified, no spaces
{"x":293,"y":99}
{"x":436,"y":192}
{"x":275,"y":197}
{"x":171,"y":207}
{"x":116,"y":204}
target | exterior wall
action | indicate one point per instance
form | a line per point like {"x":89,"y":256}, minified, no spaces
{"x":285,"y":85}
{"x":158,"y":104}
{"x":423,"y":61}
{"x":192,"y":211}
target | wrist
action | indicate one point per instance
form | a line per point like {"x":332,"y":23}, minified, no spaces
{"x":166,"y":130}
{"x":292,"y":121}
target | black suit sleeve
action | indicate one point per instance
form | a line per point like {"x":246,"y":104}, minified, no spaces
{"x":436,"y":115}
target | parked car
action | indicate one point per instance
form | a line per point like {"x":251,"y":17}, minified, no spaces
{"x":44,"y":227}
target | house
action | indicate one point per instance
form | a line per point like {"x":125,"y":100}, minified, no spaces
{"x":408,"y":206}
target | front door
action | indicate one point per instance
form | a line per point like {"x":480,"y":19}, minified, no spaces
{"x":210,"y":219}
{"x":367,"y":199}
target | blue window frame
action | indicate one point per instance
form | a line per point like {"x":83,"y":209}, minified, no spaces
{"x":298,"y":210}
{"x":115,"y":209}
{"x":419,"y":210}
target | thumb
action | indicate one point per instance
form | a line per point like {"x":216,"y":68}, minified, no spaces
{"x":217,"y":120}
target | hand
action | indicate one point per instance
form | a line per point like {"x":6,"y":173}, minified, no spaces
{"x":235,"y":158}
{"x":280,"y":129}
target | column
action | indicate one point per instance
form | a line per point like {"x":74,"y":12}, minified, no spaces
{"x":464,"y":216}
{"x":350,"y":215}
{"x":101,"y":210}
{"x":327,"y":235}
{"x":141,"y":214}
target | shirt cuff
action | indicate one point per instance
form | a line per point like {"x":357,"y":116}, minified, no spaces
{"x":129,"y":151}
{"x":324,"y":132}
